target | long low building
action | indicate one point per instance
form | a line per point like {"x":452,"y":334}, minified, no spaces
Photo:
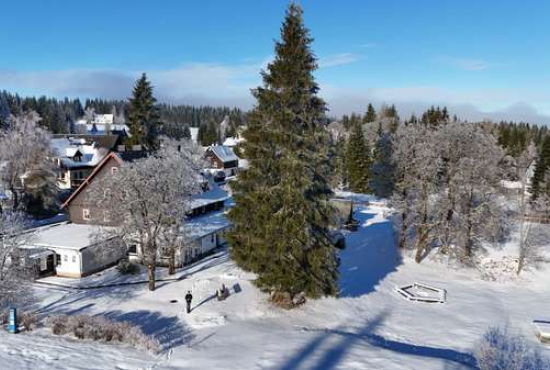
{"x":72,"y":250}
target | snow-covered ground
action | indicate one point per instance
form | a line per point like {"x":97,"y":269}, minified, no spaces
{"x":368,"y":327}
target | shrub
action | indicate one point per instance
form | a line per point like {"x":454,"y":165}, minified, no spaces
{"x":501,"y":350}
{"x":125,"y":266}
{"x":25,"y":320}
{"x":98,"y":328}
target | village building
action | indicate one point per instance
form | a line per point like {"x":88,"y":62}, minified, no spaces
{"x":223,"y":157}
{"x":72,"y":250}
{"x":101,"y":124}
{"x":77,"y":155}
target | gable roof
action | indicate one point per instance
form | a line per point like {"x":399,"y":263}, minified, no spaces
{"x":88,"y":179}
{"x":224,"y":153}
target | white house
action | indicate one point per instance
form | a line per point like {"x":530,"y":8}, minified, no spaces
{"x":72,"y":250}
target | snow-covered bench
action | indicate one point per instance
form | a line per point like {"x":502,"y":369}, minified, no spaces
{"x":418,"y":292}
{"x":542,"y":330}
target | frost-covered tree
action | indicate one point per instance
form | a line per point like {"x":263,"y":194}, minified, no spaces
{"x":282,"y":215}
{"x":15,"y":269}
{"x":502,"y":350}
{"x":417,"y":165}
{"x":469,"y":207}
{"x":147,"y":202}
{"x":26,"y":161}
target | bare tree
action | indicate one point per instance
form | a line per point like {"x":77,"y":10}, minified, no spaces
{"x":147,"y":202}
{"x":15,"y":269}
{"x":25,"y":154}
{"x":470,"y":206}
{"x":417,"y":167}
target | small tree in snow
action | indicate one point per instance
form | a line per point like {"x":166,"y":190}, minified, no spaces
{"x":15,"y":269}
{"x":25,"y":154}
{"x":148,"y":201}
{"x":501,"y":350}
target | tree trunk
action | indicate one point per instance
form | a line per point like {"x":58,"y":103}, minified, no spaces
{"x":403,"y":236}
{"x":469,"y":228}
{"x":172,"y":262}
{"x":151,"y":276}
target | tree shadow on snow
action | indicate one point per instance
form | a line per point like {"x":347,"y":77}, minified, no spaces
{"x":370,"y":255}
{"x":313,"y":357}
{"x":168,"y":330}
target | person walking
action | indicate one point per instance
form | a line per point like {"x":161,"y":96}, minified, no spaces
{"x":188,"y":299}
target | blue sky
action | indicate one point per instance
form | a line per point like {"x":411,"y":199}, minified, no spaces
{"x":482,"y":58}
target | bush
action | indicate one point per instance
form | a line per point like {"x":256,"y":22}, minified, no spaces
{"x":125,"y":266}
{"x":102,"y":329}
{"x":25,"y":320}
{"x":500,"y":350}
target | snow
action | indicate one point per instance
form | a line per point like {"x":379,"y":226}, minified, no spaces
{"x":232,"y":141}
{"x":201,"y":226}
{"x":65,"y":235}
{"x":212,"y":195}
{"x":368,"y":327}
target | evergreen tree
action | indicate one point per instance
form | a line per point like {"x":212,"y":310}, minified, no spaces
{"x":358,"y":161}
{"x":282,"y":214}
{"x":370,"y":116}
{"x":382,"y":171}
{"x":542,"y":169}
{"x":143,"y":115}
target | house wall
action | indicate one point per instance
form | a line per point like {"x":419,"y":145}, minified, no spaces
{"x":100,"y":256}
{"x":82,"y":201}
{"x":68,"y":262}
{"x":80,"y":263}
{"x":216,"y":162}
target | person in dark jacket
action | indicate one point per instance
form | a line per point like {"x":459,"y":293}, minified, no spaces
{"x":188,"y":299}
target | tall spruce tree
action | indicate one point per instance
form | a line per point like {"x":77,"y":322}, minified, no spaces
{"x":282,"y":214}
{"x":358,"y":160}
{"x":542,"y":169}
{"x":143,"y":115}
{"x":370,"y":115}
{"x":382,"y":171}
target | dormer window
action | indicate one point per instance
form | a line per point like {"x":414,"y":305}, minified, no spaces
{"x":114,"y":170}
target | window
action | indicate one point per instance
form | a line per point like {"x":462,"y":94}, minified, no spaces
{"x":74,"y":259}
{"x":114,"y":170}
{"x":65,"y":258}
{"x":106,"y":217}
{"x":212,"y":238}
{"x":86,"y":214}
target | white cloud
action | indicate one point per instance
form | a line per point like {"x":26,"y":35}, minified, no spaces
{"x":224,"y":84}
{"x":368,"y":45}
{"x":472,"y":104}
{"x":465,"y":64}
{"x":337,"y":60}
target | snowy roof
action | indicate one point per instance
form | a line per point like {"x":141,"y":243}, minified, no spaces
{"x":224,"y":153}
{"x":66,"y":148}
{"x":232,"y":141}
{"x":213,"y":195}
{"x":66,"y":236}
{"x":199,"y":227}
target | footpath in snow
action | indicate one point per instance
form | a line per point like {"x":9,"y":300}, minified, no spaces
{"x":368,"y":327}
